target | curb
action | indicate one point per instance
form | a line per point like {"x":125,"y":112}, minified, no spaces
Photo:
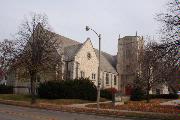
{"x":93,"y":111}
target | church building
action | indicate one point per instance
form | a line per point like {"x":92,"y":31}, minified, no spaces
{"x":80,"y":60}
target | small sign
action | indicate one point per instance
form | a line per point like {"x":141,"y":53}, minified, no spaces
{"x":118,"y":97}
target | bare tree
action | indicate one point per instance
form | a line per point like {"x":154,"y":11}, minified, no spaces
{"x":147,"y":75}
{"x":170,"y":32}
{"x":158,"y":63}
{"x":170,"y":22}
{"x":7,"y":50}
{"x":168,"y":58}
{"x":36,"y":48}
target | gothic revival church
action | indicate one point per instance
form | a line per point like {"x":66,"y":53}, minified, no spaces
{"x":81,"y":60}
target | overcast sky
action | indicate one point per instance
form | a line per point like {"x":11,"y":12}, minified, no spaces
{"x":69,"y":18}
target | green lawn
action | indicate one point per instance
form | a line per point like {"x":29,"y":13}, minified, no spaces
{"x":15,"y":97}
{"x":27,"y":98}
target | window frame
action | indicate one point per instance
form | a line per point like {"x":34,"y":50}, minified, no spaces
{"x":93,"y":76}
{"x":82,"y":74}
{"x":107,"y":78}
{"x":115,"y":80}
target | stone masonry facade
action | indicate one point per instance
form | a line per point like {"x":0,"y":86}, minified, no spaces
{"x":81,"y":60}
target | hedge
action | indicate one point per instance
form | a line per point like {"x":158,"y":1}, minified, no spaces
{"x":4,"y":89}
{"x":108,"y":93}
{"x":137,"y":94}
{"x":164,"y":96}
{"x":69,"y":89}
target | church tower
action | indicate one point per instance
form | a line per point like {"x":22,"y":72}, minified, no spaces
{"x":127,"y":61}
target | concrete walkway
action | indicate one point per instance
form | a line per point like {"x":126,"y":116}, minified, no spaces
{"x":84,"y":104}
{"x":111,"y":110}
{"x":172,"y":102}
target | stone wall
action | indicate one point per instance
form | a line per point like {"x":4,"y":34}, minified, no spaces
{"x":86,"y":64}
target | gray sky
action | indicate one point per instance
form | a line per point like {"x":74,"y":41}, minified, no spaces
{"x":69,"y":18}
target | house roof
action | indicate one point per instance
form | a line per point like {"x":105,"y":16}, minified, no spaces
{"x":112,"y":59}
{"x":70,"y":51}
{"x":65,"y":41}
{"x":107,"y":62}
{"x":71,"y":47}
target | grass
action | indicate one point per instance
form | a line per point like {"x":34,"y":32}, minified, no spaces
{"x":15,"y":97}
{"x":27,"y":98}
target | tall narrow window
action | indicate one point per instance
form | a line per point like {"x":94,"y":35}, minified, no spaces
{"x":77,"y":67}
{"x":93,"y":76}
{"x":68,"y":75}
{"x":158,"y":91}
{"x":89,"y":55}
{"x":115,"y":81}
{"x":107,"y":78}
{"x":82,"y":74}
{"x":38,"y":78}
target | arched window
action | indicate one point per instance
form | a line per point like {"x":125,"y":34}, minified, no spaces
{"x":89,"y":55}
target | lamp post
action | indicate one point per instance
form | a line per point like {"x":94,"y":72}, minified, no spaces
{"x":99,"y":67}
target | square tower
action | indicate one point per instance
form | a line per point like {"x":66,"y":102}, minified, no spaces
{"x":127,"y":61}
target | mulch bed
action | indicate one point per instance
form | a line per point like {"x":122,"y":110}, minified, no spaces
{"x":153,"y":106}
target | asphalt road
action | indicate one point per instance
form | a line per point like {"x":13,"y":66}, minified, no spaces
{"x":8,"y":112}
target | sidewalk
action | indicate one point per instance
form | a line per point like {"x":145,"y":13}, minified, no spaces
{"x":172,"y":102}
{"x":84,"y":105}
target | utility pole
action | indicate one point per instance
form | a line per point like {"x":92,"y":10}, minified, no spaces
{"x":99,"y":67}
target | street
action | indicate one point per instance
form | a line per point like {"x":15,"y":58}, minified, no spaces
{"x":8,"y":112}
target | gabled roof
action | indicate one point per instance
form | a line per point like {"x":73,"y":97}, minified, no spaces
{"x":71,"y":47}
{"x":112,"y":59}
{"x":70,"y":51}
{"x":106,"y":64}
{"x":65,"y":41}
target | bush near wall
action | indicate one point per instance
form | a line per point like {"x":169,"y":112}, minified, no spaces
{"x":68,"y":89}
{"x":4,"y":89}
{"x":137,"y":94}
{"x":164,"y":96}
{"x":108,"y":93}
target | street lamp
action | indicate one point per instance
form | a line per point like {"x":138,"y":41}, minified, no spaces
{"x":99,"y":67}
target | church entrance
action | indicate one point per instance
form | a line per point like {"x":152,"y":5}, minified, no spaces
{"x":128,"y":89}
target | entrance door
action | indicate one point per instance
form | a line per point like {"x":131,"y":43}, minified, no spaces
{"x":128,"y":89}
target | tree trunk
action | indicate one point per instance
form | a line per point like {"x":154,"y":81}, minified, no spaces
{"x":33,"y":87}
{"x":147,"y":94}
{"x":173,"y":89}
{"x":148,"y":97}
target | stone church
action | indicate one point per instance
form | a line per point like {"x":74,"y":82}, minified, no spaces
{"x":81,"y":60}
